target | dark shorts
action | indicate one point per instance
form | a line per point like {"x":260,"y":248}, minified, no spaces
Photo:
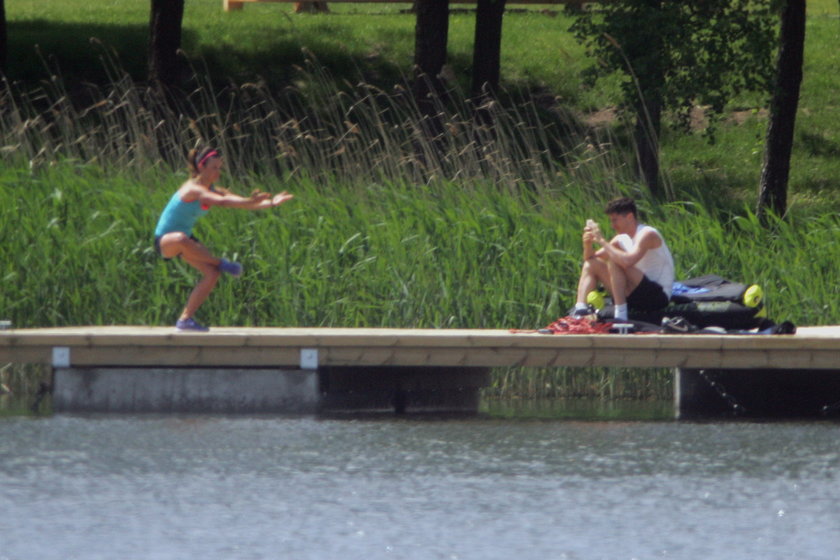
{"x":648,"y":295}
{"x":157,"y":246}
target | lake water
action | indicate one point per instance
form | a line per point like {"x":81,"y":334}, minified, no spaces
{"x":160,"y":487}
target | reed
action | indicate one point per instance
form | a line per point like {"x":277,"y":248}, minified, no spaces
{"x":359,"y":133}
{"x":23,"y":389}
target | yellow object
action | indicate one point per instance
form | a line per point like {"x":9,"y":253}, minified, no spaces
{"x":753,"y":296}
{"x":595,"y":298}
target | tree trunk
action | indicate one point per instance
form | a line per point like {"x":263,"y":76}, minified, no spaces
{"x":311,"y":8}
{"x":772,"y":196}
{"x":4,"y":42}
{"x":488,"y":47}
{"x":165,"y":41}
{"x":646,"y":136}
{"x":650,"y":84}
{"x":647,"y":51}
{"x":430,"y":37}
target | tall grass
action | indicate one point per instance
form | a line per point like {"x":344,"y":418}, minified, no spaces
{"x":359,"y":133}
{"x":390,"y":226}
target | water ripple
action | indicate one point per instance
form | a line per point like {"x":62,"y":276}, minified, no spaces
{"x":216,"y":487}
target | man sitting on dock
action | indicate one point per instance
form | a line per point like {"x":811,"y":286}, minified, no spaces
{"x":635,"y":266}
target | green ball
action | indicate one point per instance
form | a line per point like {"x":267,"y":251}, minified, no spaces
{"x":595,"y":298}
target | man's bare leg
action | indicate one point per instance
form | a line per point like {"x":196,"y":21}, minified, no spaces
{"x":623,"y":282}
{"x":593,"y":272}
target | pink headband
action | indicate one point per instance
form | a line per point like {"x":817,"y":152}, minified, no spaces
{"x":208,"y":155}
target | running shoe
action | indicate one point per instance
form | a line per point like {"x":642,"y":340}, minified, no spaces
{"x":584,"y":312}
{"x":230,"y":267}
{"x":190,"y":325}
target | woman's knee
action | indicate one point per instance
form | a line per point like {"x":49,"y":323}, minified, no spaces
{"x":209,"y":272}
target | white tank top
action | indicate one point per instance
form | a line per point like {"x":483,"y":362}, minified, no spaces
{"x":657,"y":264}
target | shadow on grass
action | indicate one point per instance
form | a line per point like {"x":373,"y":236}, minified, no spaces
{"x":75,"y":52}
{"x":39,"y":48}
{"x":819,"y":145}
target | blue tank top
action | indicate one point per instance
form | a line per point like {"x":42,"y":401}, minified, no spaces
{"x":179,"y":216}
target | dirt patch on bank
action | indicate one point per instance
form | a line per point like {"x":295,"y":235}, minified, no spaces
{"x":698,"y":117}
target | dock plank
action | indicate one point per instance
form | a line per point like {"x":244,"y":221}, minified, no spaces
{"x":810,"y":347}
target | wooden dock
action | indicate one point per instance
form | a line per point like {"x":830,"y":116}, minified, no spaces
{"x":136,"y":346}
{"x":394,"y":363}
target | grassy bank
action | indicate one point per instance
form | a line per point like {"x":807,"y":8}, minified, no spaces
{"x":373,"y":43}
{"x":263,"y":42}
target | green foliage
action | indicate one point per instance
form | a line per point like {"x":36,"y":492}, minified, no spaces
{"x":685,"y":53}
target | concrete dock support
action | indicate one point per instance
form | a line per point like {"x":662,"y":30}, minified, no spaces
{"x":756,"y":393}
{"x":254,"y":391}
{"x":185,"y":390}
{"x":698,"y":393}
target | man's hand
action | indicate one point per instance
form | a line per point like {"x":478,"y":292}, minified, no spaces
{"x":592,"y":233}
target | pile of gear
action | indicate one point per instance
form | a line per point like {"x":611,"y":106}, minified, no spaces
{"x":705,"y":305}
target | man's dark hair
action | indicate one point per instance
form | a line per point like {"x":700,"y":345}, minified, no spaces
{"x":623,"y":205}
